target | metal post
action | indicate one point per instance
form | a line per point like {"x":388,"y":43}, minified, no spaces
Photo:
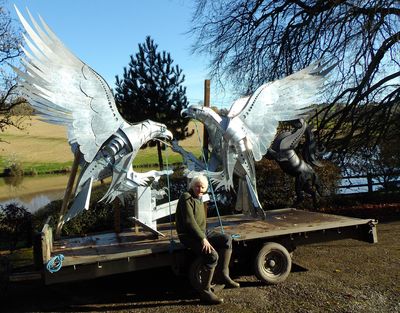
{"x":369,"y":181}
{"x":117,"y":216}
{"x":205,"y":134}
{"x":318,"y":130}
{"x":67,"y":194}
{"x":206,"y":104}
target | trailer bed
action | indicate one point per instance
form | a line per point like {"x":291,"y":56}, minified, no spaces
{"x":110,"y":253}
{"x":111,"y":246}
{"x":291,"y":222}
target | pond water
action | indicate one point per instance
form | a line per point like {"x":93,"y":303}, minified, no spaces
{"x":33,"y":192}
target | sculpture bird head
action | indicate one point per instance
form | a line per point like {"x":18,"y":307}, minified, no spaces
{"x":200,"y":113}
{"x":140,"y":133}
{"x":157,"y":130}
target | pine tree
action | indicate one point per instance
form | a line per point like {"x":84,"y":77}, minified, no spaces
{"x":151,"y":88}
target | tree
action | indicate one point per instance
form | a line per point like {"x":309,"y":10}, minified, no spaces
{"x":255,"y":41}
{"x":10,"y":51}
{"x":151,"y":88}
{"x":381,"y":162}
{"x":15,"y":225}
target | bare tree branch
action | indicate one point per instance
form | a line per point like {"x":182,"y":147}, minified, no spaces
{"x":10,"y":51}
{"x":252,"y":42}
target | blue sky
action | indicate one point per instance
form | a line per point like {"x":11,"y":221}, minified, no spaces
{"x":104,"y":33}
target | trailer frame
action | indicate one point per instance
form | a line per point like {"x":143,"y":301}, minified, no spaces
{"x":110,"y":253}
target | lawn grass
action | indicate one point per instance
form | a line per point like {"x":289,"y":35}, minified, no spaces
{"x":46,"y":168}
{"x":42,"y":148}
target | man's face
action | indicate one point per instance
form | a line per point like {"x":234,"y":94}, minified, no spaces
{"x":199,"y":189}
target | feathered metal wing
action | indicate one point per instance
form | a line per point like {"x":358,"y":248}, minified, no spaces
{"x":237,"y":106}
{"x":67,"y":91}
{"x":281,"y":100}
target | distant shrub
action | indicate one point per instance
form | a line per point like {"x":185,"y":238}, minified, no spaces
{"x":13,"y":167}
{"x":50,"y":210}
{"x":330,"y":176}
{"x":22,"y":109}
{"x":31,"y":172}
{"x":15,"y":226}
{"x":277,"y":190}
{"x":98,"y":218}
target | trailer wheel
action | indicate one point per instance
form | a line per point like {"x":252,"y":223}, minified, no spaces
{"x":273,"y":263}
{"x":196,"y":274}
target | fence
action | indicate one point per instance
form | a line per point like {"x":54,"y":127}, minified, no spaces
{"x":368,"y":183}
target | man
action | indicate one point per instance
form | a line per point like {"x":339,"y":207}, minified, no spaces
{"x":191,"y":228}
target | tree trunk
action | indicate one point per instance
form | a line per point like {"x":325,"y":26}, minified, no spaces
{"x":160,"y":158}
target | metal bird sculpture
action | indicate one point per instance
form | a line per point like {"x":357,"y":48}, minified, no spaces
{"x":283,"y":151}
{"x":245,"y":134}
{"x":66,"y":91}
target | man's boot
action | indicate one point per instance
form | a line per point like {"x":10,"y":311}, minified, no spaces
{"x":206,"y":294}
{"x":215,"y":287}
{"x":223,"y":269}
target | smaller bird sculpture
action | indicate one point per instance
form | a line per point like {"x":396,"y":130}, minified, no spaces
{"x":283,"y":151}
{"x":66,"y":91}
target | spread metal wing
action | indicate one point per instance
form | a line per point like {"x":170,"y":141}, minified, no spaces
{"x":237,"y":106}
{"x":281,"y":100}
{"x":66,"y":91}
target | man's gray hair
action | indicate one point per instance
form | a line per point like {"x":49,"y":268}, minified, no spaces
{"x":199,"y":178}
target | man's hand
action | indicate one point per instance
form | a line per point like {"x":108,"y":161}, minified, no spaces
{"x":207,"y":247}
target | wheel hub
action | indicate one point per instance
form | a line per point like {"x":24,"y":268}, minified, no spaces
{"x":271,"y":263}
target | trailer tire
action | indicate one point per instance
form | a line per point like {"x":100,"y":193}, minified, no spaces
{"x":196,"y":271}
{"x":272,"y":263}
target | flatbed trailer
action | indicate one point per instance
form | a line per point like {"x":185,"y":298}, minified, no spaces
{"x":269,"y":242}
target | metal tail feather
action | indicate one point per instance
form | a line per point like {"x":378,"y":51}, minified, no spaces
{"x":81,"y":201}
{"x":243,"y":202}
{"x":257,"y":208}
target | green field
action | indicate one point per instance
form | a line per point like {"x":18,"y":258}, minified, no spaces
{"x":43,"y":148}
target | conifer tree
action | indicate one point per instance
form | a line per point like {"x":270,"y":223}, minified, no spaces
{"x":151,"y":88}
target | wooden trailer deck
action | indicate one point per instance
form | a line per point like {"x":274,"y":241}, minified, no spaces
{"x":110,"y":253}
{"x":293,"y":222}
{"x":111,"y":246}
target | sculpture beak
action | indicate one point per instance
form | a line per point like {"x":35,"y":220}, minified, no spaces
{"x":184,"y":113}
{"x":167,"y":135}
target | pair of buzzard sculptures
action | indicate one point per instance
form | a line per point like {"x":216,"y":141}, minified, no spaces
{"x":66,"y":91}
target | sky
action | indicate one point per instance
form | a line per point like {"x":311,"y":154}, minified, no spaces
{"x":104,"y":33}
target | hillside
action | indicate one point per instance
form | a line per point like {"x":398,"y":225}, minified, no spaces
{"x":40,"y":142}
